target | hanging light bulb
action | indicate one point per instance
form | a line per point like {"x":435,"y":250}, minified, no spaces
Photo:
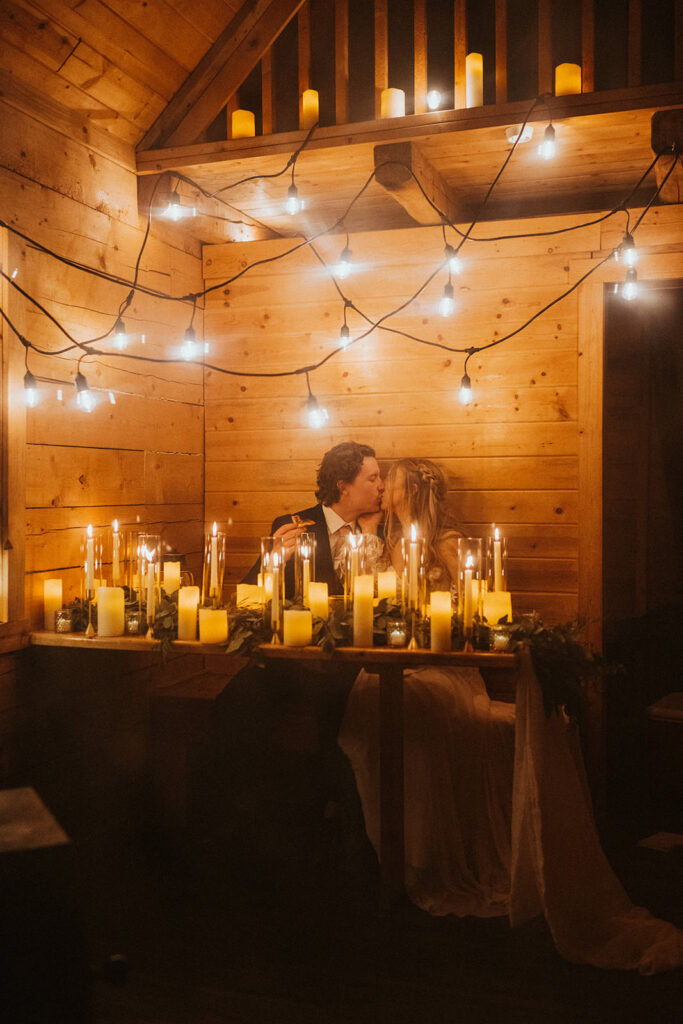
{"x":84,"y":396}
{"x":112,"y":398}
{"x":175,"y":210}
{"x":630,"y":286}
{"x":344,"y":265}
{"x":189,"y":347}
{"x":344,"y":336}
{"x":546,"y":150}
{"x":447,"y":305}
{"x":60,"y":395}
{"x":293,"y":205}
{"x":433,"y":99}
{"x":30,"y":390}
{"x":315,"y":413}
{"x":465,"y":389}
{"x":627,"y":251}
{"x":454,"y":261}
{"x":120,"y":335}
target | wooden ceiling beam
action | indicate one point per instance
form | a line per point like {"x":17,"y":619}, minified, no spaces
{"x":220,"y":72}
{"x":397,"y":165}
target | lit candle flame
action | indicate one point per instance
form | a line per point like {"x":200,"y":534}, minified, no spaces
{"x":116,"y":526}
{"x":89,"y":529}
{"x":496,"y":534}
{"x":215,"y":529}
{"x":413,"y":531}
{"x":276,"y":560}
{"x":469,"y":562}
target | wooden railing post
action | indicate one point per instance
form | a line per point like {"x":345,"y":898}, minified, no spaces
{"x":341,"y":61}
{"x":420,"y":85}
{"x":545,"y":48}
{"x":587,"y":46}
{"x":267,"y":105}
{"x":635,"y":18}
{"x":678,"y":42}
{"x":304,"y":46}
{"x":459,"y":53}
{"x":381,"y":52}
{"x":501,"y":51}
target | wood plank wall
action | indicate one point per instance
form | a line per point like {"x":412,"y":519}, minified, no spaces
{"x":512,"y":454}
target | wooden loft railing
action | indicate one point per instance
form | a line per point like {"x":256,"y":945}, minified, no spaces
{"x":301,"y":37}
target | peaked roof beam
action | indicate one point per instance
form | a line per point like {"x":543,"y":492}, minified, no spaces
{"x":220,"y":72}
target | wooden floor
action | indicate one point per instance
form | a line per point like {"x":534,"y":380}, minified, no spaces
{"x":210,"y":942}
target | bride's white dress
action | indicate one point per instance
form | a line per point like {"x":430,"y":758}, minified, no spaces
{"x":498,"y":818}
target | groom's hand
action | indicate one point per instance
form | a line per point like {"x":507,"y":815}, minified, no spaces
{"x":370,"y":521}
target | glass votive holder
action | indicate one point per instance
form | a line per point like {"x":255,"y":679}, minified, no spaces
{"x":63,"y":620}
{"x":133,"y":621}
{"x":397,"y":632}
{"x":499,"y":637}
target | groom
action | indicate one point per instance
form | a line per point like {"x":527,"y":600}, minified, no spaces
{"x":349,"y":493}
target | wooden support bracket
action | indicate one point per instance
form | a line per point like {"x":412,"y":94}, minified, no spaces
{"x":396,"y":163}
{"x":667,"y":131}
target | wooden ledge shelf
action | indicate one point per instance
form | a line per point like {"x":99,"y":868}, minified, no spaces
{"x":136,"y":644}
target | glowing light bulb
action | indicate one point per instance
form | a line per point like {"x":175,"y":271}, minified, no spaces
{"x":315,"y":414}
{"x":630,"y":287}
{"x":120,"y":335}
{"x":465,"y":389}
{"x":112,"y":398}
{"x":293,"y":205}
{"x":627,"y":251}
{"x":344,"y":336}
{"x":447,"y":305}
{"x":84,"y":396}
{"x":546,"y":150}
{"x":344,"y":265}
{"x":454,"y":261}
{"x":188,"y":349}
{"x":30,"y":390}
{"x":433,"y":99}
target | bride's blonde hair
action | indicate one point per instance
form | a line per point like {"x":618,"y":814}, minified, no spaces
{"x":425,"y":495}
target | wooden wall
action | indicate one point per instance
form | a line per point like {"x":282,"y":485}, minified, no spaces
{"x":513,"y":453}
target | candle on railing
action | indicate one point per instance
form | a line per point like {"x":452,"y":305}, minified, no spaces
{"x":567,"y":79}
{"x":309,"y":108}
{"x":243,"y":124}
{"x":363,"y":594}
{"x":440,"y":620}
{"x":297,"y":627}
{"x":110,"y":611}
{"x":318,"y":600}
{"x":213,"y":625}
{"x":392,"y":103}
{"x":188,"y":600}
{"x":52,"y":602}
{"x":474,"y":80}
{"x":115,"y":553}
{"x":90,"y":561}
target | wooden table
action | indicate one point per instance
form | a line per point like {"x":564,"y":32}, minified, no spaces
{"x":389,"y":664}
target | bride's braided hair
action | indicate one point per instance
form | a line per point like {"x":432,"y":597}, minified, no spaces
{"x":426,"y":496}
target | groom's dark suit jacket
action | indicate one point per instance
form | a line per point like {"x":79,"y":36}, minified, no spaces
{"x":324,"y":566}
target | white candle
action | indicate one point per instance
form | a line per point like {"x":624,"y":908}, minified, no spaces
{"x":497,"y":604}
{"x":213,"y":585}
{"x":275,"y":597}
{"x":110,"y":611}
{"x":467,"y":584}
{"x":213,"y":625}
{"x":363,"y":590}
{"x":188,"y":599}
{"x":115,"y":554}
{"x":297,"y":627}
{"x":497,"y":562}
{"x":243,"y":124}
{"x":306,"y":579}
{"x":386,"y":585}
{"x":440,"y":616}
{"x":150,"y":593}
{"x":90,"y":561}
{"x":392,"y":103}
{"x":412,"y":568}
{"x":567,"y":79}
{"x":171,"y":577}
{"x":318,"y":600}
{"x":52,"y":602}
{"x":248,"y":595}
{"x":474,"y":80}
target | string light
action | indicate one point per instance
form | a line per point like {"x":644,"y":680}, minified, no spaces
{"x":293,"y":205}
{"x":433,"y":99}
{"x":344,"y":264}
{"x":627,"y":251}
{"x":630,"y":287}
{"x":112,"y":398}
{"x":188,"y":350}
{"x":447,"y":304}
{"x":546,"y":150}
{"x":30,"y":390}
{"x":120,"y":335}
{"x":316,"y":415}
{"x":345,"y":333}
{"x":454,"y":261}
{"x":60,"y":395}
{"x":84,"y":396}
{"x":175,"y":210}
{"x":465,"y":394}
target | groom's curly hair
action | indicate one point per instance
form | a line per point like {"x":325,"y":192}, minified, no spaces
{"x":340,"y":465}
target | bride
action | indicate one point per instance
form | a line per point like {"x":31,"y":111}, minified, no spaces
{"x":497,"y":813}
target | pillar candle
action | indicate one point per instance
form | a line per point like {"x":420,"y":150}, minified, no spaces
{"x":213,"y":584}
{"x":440,"y":615}
{"x":386,"y":585}
{"x":363,"y":591}
{"x":248,"y":595}
{"x":151,"y":581}
{"x":213,"y":625}
{"x":275,"y":597}
{"x":243,"y":124}
{"x":52,"y":602}
{"x":171,"y":577}
{"x":497,"y":604}
{"x":306,"y":579}
{"x":392,"y":103}
{"x":467,"y":602}
{"x":115,"y":553}
{"x":474,"y":80}
{"x":188,"y":599}
{"x":90,"y":561}
{"x":110,"y":611}
{"x":297,"y":627}
{"x":318,"y":600}
{"x":309,"y":108}
{"x":412,"y":568}
{"x":567,"y":79}
{"x":497,"y":561}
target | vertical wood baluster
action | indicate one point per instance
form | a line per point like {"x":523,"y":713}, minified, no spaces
{"x":635,"y":18}
{"x":545,"y":48}
{"x":420,"y":56}
{"x":341,"y":61}
{"x":587,"y":46}
{"x":267,"y":106}
{"x":232,"y":104}
{"x":678,"y":42}
{"x":459,"y":53}
{"x":304,"y":43}
{"x":381,"y":52}
{"x":501,"y":51}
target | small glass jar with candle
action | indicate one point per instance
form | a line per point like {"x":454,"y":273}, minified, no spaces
{"x":304,"y":566}
{"x":499,"y":637}
{"x":63,"y":620}
{"x":470,"y":587}
{"x":273,"y":582}
{"x":214,"y":567}
{"x":397,"y":632}
{"x":133,"y":622}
